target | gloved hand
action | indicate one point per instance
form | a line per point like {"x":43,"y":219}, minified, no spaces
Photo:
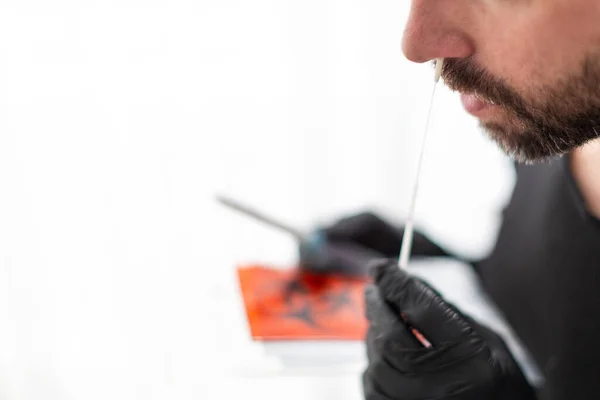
{"x":347,"y":246}
{"x":466,"y":361}
{"x":370,"y":231}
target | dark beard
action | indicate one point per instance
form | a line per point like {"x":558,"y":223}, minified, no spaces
{"x":562,"y":117}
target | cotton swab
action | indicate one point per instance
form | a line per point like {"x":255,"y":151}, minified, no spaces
{"x":409,"y":226}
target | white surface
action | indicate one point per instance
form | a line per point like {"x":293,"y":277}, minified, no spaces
{"x":118,"y":121}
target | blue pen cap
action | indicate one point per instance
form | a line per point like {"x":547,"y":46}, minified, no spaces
{"x":311,"y":254}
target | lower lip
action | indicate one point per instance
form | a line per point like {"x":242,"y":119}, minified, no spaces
{"x":476,"y":106}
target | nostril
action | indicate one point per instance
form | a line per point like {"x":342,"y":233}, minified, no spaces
{"x":419,"y":45}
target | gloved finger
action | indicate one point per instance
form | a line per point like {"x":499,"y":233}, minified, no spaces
{"x":377,"y":311}
{"x":380,"y":346}
{"x":448,"y":382}
{"x":423,"y":308}
{"x":384,"y":324}
{"x":370,"y":391}
{"x":371,"y":345}
{"x":422,"y":360}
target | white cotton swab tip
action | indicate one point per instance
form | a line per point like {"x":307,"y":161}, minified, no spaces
{"x":439,"y":64}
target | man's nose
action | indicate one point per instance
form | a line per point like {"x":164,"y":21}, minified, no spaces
{"x":432,"y":32}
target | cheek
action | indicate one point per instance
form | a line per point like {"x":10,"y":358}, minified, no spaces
{"x":539,"y":44}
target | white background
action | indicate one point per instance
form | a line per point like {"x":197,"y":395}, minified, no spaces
{"x":119,"y":120}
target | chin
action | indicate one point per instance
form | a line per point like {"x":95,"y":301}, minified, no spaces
{"x":523,"y":146}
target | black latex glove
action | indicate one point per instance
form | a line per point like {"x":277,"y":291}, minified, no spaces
{"x":372,"y":232}
{"x":466,"y":361}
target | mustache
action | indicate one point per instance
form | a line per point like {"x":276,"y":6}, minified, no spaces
{"x":466,"y":76}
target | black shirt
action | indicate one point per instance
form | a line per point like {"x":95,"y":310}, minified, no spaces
{"x":544,"y":274}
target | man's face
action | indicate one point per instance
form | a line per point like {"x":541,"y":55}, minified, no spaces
{"x":528,"y":69}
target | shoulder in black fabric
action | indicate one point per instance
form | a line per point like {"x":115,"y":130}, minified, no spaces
{"x":544,"y":274}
